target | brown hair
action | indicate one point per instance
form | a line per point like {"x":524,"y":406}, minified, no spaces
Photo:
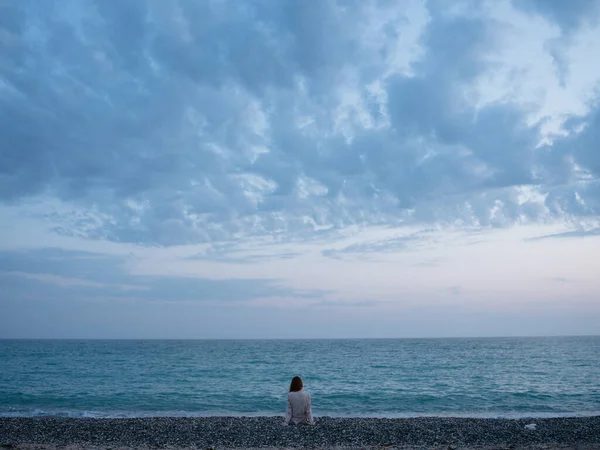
{"x":296,"y":384}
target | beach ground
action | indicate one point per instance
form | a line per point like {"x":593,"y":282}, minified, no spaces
{"x":530,"y":447}
{"x":51,"y":433}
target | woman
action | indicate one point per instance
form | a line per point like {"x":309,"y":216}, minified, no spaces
{"x":298,"y":405}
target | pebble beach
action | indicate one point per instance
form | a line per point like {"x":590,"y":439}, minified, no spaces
{"x":268,"y":432}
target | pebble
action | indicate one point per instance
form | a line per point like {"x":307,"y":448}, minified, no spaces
{"x":246,"y":432}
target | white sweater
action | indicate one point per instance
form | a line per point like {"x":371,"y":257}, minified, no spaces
{"x":298,"y":408}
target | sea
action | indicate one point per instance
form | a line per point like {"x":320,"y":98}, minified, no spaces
{"x":464,"y":377}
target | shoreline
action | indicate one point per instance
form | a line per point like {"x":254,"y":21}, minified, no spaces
{"x":267,"y":415}
{"x":268,"y":432}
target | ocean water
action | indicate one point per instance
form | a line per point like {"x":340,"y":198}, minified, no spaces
{"x":492,"y":377}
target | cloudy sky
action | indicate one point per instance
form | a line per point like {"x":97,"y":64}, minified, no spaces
{"x":299,"y":168}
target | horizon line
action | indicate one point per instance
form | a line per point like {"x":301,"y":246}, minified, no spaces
{"x":291,"y":339}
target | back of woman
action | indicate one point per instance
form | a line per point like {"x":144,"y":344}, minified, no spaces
{"x":298,"y":405}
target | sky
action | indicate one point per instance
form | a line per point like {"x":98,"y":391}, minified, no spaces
{"x":299,"y":169}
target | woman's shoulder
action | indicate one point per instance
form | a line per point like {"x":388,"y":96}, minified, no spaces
{"x":298,"y":394}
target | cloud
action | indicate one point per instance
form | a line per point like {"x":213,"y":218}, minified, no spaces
{"x":570,"y":234}
{"x":172,"y":123}
{"x":57,"y":274}
{"x":238,"y":254}
{"x":453,"y":290}
{"x":345,"y":305}
{"x":568,"y":15}
{"x":561,"y":280}
{"x":365,"y":249}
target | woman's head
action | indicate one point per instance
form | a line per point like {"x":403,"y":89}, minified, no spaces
{"x":296,"y":384}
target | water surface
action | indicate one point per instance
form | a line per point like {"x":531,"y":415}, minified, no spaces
{"x":491,"y":377}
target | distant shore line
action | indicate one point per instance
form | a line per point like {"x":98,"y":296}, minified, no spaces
{"x":268,"y":432}
{"x":91,"y":414}
{"x":75,"y":414}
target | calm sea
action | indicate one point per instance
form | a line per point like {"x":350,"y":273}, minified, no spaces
{"x":495,"y":377}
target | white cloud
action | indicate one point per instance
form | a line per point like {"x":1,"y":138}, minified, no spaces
{"x":536,"y":66}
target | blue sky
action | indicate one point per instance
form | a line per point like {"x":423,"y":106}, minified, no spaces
{"x":275,"y":169}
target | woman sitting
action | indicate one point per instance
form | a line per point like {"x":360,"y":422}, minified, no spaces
{"x":298,"y":405}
